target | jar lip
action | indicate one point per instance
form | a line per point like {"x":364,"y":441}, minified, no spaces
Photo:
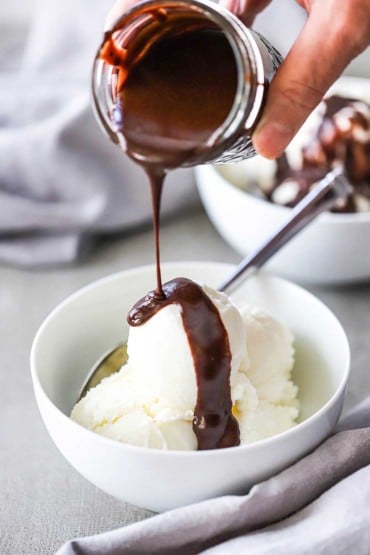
{"x":247,"y":58}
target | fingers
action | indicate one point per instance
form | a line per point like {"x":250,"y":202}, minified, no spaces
{"x":246,"y":10}
{"x":334,"y":34}
{"x":116,"y":11}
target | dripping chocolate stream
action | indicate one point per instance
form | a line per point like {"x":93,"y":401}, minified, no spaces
{"x":173,"y":90}
{"x":156,"y":180}
{"x":213,"y":424}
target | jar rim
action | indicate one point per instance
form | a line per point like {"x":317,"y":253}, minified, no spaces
{"x":248,"y":98}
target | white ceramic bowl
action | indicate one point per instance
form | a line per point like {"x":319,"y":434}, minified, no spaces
{"x":333,"y":249}
{"x":92,"y":320}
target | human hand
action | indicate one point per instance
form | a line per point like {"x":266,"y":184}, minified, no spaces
{"x":336,"y":31}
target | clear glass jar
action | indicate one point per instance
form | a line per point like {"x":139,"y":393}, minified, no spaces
{"x":256,"y":60}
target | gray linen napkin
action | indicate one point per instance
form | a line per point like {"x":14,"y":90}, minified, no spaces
{"x":61,"y":179}
{"x":318,"y":505}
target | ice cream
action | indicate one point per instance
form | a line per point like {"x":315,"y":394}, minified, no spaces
{"x":151,"y":400}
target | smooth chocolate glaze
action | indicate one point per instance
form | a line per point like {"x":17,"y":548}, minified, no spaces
{"x":173,"y":88}
{"x":176,"y":97}
{"x":213,"y":424}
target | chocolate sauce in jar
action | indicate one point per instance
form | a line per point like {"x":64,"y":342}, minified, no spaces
{"x":213,"y":424}
{"x":172,"y":92}
{"x":151,"y":28}
{"x":176,"y":97}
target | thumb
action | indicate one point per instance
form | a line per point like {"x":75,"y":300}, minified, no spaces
{"x":334,"y":34}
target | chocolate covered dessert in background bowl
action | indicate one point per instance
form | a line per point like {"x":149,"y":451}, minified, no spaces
{"x":248,"y":200}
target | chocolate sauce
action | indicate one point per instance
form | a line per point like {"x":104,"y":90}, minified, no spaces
{"x":176,"y":97}
{"x":173,"y":89}
{"x":213,"y":424}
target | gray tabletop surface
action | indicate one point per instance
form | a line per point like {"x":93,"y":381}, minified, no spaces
{"x":43,"y":501}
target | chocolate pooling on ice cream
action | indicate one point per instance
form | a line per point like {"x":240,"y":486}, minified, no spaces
{"x":341,"y":139}
{"x":213,"y":424}
{"x":173,"y":90}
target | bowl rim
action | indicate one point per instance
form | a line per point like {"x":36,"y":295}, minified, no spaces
{"x":211,"y":171}
{"x":328,"y":217}
{"x":231,"y":451}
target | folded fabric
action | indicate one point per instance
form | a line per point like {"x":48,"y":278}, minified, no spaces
{"x":318,"y":505}
{"x":61,"y":179}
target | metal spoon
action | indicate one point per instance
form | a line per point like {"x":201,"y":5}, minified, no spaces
{"x":324,"y":195}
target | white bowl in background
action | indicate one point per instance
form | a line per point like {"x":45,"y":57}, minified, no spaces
{"x":92,"y":320}
{"x":333,"y":249}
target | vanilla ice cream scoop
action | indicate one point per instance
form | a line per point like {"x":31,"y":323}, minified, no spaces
{"x":160,"y":353}
{"x":151,"y":401}
{"x":271,"y":356}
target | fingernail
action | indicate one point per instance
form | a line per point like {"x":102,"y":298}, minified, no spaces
{"x":271,"y":138}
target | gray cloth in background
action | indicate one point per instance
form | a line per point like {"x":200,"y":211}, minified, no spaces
{"x":318,"y":505}
{"x":61,"y":179}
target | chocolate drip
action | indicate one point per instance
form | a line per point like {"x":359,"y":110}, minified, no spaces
{"x":173,"y":87}
{"x":156,"y":179}
{"x":213,"y":424}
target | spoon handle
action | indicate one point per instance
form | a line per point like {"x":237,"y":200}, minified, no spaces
{"x":323,"y":196}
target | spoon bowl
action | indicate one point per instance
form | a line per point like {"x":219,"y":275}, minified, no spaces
{"x":107,"y":365}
